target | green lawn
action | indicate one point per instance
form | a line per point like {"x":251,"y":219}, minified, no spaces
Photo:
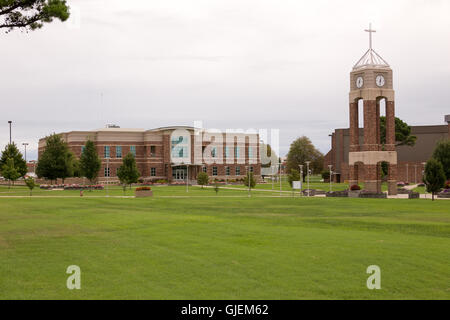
{"x":224,"y":247}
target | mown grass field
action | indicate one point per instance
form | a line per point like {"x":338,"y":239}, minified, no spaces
{"x":227,"y":246}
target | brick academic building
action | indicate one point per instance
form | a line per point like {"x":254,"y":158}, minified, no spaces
{"x":170,"y":153}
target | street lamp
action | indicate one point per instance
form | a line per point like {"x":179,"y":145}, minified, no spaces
{"x":25,"y":145}
{"x":331,"y":176}
{"x":187,"y":178}
{"x":415,"y":173}
{"x":301,"y":178}
{"x":107,"y":177}
{"x":273,"y":177}
{"x":10,"y":139}
{"x":407,"y":175}
{"x":307,"y":168}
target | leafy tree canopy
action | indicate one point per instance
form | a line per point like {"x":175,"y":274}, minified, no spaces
{"x":301,"y":151}
{"x":202,"y":179}
{"x":442,"y":154}
{"x":31,"y":14}
{"x":403,"y":135}
{"x":56,"y":161}
{"x":128,"y":172}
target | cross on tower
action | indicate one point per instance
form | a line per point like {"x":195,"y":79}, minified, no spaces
{"x":370,"y":31}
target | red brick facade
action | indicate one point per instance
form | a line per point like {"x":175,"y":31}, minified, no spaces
{"x":153,"y":154}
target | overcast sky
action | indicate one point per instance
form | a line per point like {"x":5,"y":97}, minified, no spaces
{"x":231,"y":64}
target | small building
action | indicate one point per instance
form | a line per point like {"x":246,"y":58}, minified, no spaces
{"x":171,"y":153}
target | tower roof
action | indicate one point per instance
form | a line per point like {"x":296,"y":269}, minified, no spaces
{"x":371,"y":59}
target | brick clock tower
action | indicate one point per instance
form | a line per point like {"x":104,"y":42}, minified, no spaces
{"x":371,"y":81}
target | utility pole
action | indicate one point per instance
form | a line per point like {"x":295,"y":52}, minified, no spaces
{"x":331,"y":176}
{"x":301,"y":179}
{"x":25,"y":145}
{"x":307,"y":172}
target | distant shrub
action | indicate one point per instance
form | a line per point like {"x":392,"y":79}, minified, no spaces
{"x":355,"y":187}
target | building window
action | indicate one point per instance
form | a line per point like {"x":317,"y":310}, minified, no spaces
{"x":250,"y":152}
{"x":214,"y":171}
{"x":238,"y":171}
{"x":152,"y":151}
{"x":118,"y":152}
{"x":82,"y":149}
{"x":153,"y":172}
{"x":107,"y":172}
{"x":214,"y":152}
{"x":180,"y":146}
{"x":205,"y":169}
{"x":252,"y":169}
{"x":133,"y":150}
{"x":107,"y":151}
{"x":227,"y":152}
{"x":236,"y":152}
{"x":227,"y":171}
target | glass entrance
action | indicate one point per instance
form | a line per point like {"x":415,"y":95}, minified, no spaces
{"x":179,"y":173}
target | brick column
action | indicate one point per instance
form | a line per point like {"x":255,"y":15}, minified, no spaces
{"x":372,"y":181}
{"x":370,"y":126}
{"x":353,"y":175}
{"x":354,"y":127}
{"x":392,"y":179}
{"x":390,"y":126}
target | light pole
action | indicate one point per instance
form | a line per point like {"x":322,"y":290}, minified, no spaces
{"x":273,"y":177}
{"x":331,"y":176}
{"x":415,"y":173}
{"x":25,"y":145}
{"x":307,"y":172}
{"x":407,"y":175}
{"x":10,"y":139}
{"x":279,"y":165}
{"x":187,"y":178}
{"x":107,"y":177}
{"x":301,"y":179}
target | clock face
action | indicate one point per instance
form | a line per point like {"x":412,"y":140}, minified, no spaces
{"x":359,"y":82}
{"x":380,"y":81}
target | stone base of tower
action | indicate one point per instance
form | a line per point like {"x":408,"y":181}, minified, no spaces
{"x":373,"y":186}
{"x":392,"y":188}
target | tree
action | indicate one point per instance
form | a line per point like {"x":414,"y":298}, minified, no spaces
{"x":31,"y":14}
{"x":56,"y":161}
{"x":303,"y":150}
{"x":403,"y":135}
{"x":90,"y":163}
{"x":442,"y":154}
{"x":250,"y":179}
{"x":10,"y":172}
{"x":434,"y":177}
{"x":30,"y":184}
{"x":202,"y":179}
{"x":128,"y":172}
{"x":293,"y":176}
{"x":12,"y":152}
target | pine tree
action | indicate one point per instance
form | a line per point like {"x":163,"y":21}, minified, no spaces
{"x":10,"y":172}
{"x":90,"y":163}
{"x":434,"y":176}
{"x":12,"y":152}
